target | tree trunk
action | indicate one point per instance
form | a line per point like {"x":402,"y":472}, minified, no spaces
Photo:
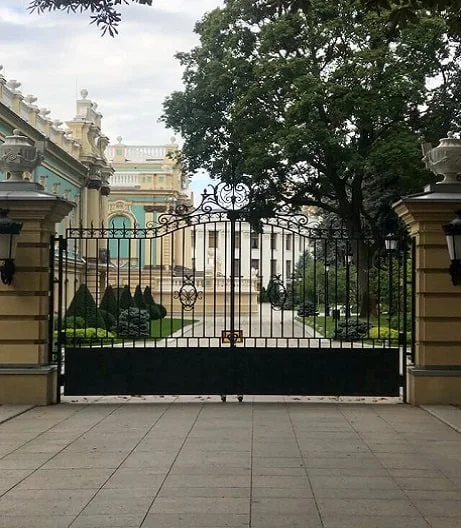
{"x":367,"y":298}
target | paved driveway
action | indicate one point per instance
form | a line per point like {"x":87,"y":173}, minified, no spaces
{"x":196,"y":463}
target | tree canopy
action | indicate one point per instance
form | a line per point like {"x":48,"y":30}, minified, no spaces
{"x":323,"y":107}
{"x":103,"y":12}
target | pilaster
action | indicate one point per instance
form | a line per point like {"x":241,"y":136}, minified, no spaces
{"x":26,"y":374}
{"x":436,"y":375}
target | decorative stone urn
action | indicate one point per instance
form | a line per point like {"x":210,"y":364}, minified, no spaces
{"x":445,"y":159}
{"x":18,"y":154}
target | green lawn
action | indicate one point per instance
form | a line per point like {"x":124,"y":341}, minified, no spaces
{"x":167,"y":326}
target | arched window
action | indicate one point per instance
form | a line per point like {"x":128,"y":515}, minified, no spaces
{"x":119,"y":239}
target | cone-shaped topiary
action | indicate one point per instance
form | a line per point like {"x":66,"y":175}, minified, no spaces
{"x":138,"y":298}
{"x":83,"y":305}
{"x":154,"y":312}
{"x":148,"y":299}
{"x":125,"y":300}
{"x":162,"y":310}
{"x":109,"y":301}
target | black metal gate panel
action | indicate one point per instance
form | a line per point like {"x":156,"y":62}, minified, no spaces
{"x":206,"y":301}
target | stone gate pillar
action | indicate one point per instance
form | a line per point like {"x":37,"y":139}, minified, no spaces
{"x":436,"y":374}
{"x":26,"y":373}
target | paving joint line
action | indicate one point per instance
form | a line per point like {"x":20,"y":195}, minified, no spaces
{"x":19,"y":413}
{"x":172,"y":464}
{"x":60,"y":451}
{"x":116,"y":469}
{"x":287,"y":408}
{"x":410,"y":500}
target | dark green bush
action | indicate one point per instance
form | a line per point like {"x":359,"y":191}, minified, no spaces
{"x":125,"y":300}
{"x":154,"y":312}
{"x":351,"y":329}
{"x":307,"y":308}
{"x":109,"y":319}
{"x":109,"y":301}
{"x":134,"y":323}
{"x":162,"y":310}
{"x":148,"y":299}
{"x":138,"y":298}
{"x":74,"y":321}
{"x":83,"y":305}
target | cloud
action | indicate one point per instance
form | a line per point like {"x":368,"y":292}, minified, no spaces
{"x":54,"y":55}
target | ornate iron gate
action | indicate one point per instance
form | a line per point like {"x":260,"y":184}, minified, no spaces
{"x":284,"y":307}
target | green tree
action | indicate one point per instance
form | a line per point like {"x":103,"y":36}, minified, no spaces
{"x":103,"y":12}
{"x":323,"y":108}
{"x":399,"y":12}
{"x":109,"y":301}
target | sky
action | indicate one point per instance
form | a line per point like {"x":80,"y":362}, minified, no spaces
{"x":55,"y":55}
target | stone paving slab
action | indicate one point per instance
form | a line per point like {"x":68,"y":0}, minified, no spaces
{"x":178,"y":462}
{"x":8,"y":411}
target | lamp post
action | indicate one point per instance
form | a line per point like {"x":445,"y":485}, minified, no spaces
{"x":453,"y":235}
{"x":347,"y":262}
{"x":391,"y":244}
{"x":327,"y":305}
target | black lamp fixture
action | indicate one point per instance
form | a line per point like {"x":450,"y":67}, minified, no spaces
{"x":453,"y":234}
{"x":9,"y":231}
{"x":391,"y":242}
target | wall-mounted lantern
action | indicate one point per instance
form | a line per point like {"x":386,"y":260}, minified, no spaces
{"x":453,"y":234}
{"x":9,"y":231}
{"x":391,"y":242}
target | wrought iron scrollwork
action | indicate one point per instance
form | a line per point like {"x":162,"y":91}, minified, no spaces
{"x":276,"y":292}
{"x":188,"y":294}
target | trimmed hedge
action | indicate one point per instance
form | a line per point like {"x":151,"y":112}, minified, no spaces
{"x":88,"y":335}
{"x":383,"y":332}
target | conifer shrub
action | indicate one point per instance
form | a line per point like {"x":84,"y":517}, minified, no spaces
{"x":148,"y":298}
{"x":154,"y":312}
{"x":125,"y":300}
{"x":138,"y":298}
{"x":109,"y":301}
{"x":74,"y":321}
{"x":109,"y":319}
{"x":162,"y":310}
{"x":83,"y":305}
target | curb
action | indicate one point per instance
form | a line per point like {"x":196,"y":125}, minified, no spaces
{"x":447,"y":414}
